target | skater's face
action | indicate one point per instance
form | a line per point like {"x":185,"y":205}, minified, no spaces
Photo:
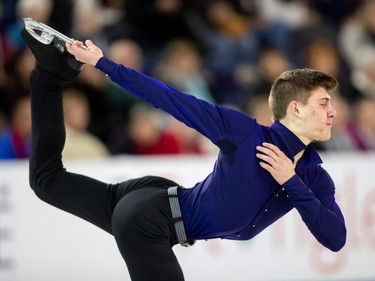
{"x":315,"y":118}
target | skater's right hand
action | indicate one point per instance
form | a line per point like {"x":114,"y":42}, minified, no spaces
{"x":87,"y":53}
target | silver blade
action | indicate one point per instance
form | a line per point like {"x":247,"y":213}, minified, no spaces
{"x":43,"y":33}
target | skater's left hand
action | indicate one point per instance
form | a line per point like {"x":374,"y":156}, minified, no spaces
{"x":276,"y":162}
{"x":87,"y":53}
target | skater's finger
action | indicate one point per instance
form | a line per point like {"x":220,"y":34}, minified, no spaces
{"x":89,"y":43}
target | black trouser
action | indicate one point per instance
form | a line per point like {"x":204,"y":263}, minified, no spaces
{"x":136,"y":211}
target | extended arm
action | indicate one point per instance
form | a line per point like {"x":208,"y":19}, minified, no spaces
{"x":225,"y":127}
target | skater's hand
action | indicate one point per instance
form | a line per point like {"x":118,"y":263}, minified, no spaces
{"x":276,"y":162}
{"x":87,"y":53}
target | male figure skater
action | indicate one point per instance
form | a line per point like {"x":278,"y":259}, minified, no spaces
{"x":261,"y":173}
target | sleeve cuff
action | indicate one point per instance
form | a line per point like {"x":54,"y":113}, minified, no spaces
{"x":294,"y":185}
{"x":295,"y":180}
{"x":106,"y":66}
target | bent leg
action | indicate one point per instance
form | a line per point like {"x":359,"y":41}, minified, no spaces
{"x":143,"y":227}
{"x":77,"y":194}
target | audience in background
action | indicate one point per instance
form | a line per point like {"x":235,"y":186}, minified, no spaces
{"x":79,"y":142}
{"x":181,"y":67}
{"x":147,"y":133}
{"x":89,"y":22}
{"x":256,"y":80}
{"x":258,"y":108}
{"x":346,"y":134}
{"x":127,"y":52}
{"x":223,"y":51}
{"x":322,"y":55}
{"x":94,"y":85}
{"x":39,"y":10}
{"x":365,"y":119}
{"x":15,"y":138}
{"x":357,"y":43}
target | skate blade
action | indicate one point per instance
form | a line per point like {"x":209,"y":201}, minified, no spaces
{"x":44,"y":33}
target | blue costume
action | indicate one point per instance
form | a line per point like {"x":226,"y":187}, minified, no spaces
{"x":239,"y":198}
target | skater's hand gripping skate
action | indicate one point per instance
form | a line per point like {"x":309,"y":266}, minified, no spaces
{"x":88,"y":53}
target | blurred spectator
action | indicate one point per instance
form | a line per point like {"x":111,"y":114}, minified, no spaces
{"x":293,"y":13}
{"x":39,"y":10}
{"x":79,"y":142}
{"x":94,"y":85}
{"x":15,"y":139}
{"x":129,"y":53}
{"x":365,"y":118}
{"x":358,"y":46}
{"x":257,"y":80}
{"x":258,"y":108}
{"x":147,"y":134}
{"x":227,"y":38}
{"x":189,"y":140}
{"x":181,"y":67}
{"x":89,"y":22}
{"x":15,"y":77}
{"x":324,"y":56}
{"x":21,"y":67}
{"x":152,"y":23}
{"x":346,"y":134}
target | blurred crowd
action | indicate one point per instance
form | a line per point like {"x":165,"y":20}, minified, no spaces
{"x":227,"y":52}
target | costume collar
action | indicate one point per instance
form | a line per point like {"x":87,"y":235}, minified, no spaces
{"x":292,"y":145}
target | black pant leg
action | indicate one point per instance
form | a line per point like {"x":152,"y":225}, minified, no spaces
{"x":77,"y":194}
{"x":144,"y":230}
{"x":141,"y":222}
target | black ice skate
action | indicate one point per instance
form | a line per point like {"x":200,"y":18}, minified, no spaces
{"x":48,"y":47}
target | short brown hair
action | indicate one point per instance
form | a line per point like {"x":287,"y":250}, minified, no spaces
{"x":297,"y":85}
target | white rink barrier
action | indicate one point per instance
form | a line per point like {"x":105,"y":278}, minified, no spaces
{"x":39,"y":242}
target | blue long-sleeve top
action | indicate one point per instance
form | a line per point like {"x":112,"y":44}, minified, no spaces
{"x":239,"y":199}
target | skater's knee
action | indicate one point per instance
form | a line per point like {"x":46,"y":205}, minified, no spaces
{"x":33,"y":178}
{"x":41,"y":180}
{"x":37,"y":184}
